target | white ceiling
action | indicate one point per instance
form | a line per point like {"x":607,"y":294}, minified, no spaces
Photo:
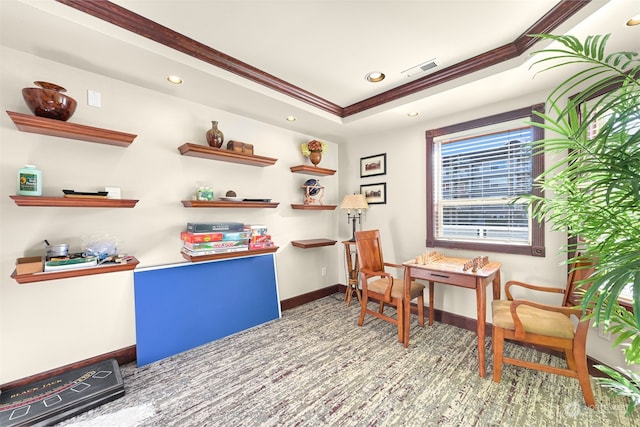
{"x":322,"y":46}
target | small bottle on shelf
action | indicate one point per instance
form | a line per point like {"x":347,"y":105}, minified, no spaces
{"x":29,"y":181}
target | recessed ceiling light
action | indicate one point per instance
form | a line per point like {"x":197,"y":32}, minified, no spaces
{"x":635,"y":20}
{"x":291,"y":119}
{"x":175,"y":79}
{"x":374,"y":77}
{"x":412,"y":114}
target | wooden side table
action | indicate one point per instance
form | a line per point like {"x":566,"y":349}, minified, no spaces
{"x":450,"y":271}
{"x":352,"y":271}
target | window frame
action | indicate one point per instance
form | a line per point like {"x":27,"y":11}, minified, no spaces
{"x":537,"y":247}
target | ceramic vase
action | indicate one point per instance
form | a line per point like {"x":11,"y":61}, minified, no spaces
{"x":315,"y":157}
{"x":215,"y":137}
{"x":48,"y":101}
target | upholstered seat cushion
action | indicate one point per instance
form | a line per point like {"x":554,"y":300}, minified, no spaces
{"x":534,"y":320}
{"x":380,"y":286}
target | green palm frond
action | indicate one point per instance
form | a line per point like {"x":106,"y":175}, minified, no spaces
{"x":622,"y":383}
{"x":593,"y":191}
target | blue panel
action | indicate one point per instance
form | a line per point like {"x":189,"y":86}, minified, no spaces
{"x":182,"y":307}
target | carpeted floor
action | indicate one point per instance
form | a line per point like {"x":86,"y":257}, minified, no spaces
{"x":316,"y":367}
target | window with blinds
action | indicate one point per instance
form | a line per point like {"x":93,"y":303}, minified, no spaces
{"x":476,"y":180}
{"x":476,"y":171}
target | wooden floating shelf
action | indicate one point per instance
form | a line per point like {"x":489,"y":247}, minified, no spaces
{"x":205,"y":152}
{"x":73,"y":202}
{"x":228,"y":255}
{"x":313,"y":243}
{"x":52,"y":127}
{"x":314,"y":207}
{"x":312,"y":170}
{"x":53,"y":275}
{"x":227,"y":204}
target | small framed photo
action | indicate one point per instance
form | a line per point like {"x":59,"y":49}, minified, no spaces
{"x":373,"y":165}
{"x":376,"y":194}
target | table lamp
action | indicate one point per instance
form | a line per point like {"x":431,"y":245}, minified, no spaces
{"x":353,"y":202}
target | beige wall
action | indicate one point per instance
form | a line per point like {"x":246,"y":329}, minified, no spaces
{"x":48,"y":324}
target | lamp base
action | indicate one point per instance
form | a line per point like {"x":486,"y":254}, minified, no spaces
{"x":353,"y":233}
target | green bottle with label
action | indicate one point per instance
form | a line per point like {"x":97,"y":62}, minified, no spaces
{"x":29,"y":181}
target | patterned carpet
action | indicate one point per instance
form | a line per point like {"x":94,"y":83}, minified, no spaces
{"x":316,"y":367}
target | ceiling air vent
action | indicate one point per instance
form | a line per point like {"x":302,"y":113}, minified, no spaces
{"x":421,"y":68}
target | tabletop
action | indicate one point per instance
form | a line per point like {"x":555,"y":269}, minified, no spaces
{"x":455,"y":265}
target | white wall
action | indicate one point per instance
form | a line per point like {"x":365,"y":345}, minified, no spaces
{"x":402,"y":220}
{"x":48,"y":324}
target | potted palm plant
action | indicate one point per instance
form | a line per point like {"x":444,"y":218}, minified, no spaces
{"x":593,"y":191}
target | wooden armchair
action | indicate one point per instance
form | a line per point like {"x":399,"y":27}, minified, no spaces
{"x":381,"y":286}
{"x":545,"y":326}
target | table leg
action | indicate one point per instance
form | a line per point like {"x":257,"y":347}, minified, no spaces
{"x":352,"y":273}
{"x":352,"y":286}
{"x":482,"y":314}
{"x":432,"y":310}
{"x":347,"y":294}
{"x":406,"y":287}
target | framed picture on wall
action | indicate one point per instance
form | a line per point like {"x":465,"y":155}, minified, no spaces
{"x":376,"y":194}
{"x":373,"y":165}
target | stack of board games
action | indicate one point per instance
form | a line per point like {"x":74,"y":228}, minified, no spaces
{"x":214,"y":238}
{"x":222,"y":237}
{"x":259,"y":237}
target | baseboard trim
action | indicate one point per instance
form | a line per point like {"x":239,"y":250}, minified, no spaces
{"x":128,"y":354}
{"x":299,"y":300}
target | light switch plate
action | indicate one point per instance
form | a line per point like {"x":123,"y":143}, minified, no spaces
{"x":93,"y":98}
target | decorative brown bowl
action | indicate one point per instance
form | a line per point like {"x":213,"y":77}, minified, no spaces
{"x":48,"y":101}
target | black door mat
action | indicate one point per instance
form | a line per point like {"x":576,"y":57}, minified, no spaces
{"x":50,"y":401}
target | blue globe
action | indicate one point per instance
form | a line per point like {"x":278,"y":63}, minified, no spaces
{"x":314,"y":186}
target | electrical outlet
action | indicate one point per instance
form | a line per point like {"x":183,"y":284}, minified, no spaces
{"x":323,"y":271}
{"x":602,"y":333}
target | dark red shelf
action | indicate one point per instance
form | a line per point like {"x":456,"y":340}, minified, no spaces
{"x":100,"y":269}
{"x":73,"y":202}
{"x":313,"y":243}
{"x":227,"y":204}
{"x":227,"y":255}
{"x":52,"y":127}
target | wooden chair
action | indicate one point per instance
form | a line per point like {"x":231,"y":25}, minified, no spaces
{"x":381,"y":286}
{"x":545,"y":326}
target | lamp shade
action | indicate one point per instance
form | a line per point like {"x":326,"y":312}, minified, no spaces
{"x":354,"y":201}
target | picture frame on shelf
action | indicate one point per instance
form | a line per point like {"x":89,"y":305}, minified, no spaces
{"x":375,"y":194}
{"x":373,"y":165}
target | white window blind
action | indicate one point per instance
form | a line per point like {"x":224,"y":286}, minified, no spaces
{"x":476,"y":178}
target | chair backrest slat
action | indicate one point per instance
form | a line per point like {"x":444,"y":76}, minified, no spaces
{"x":578,"y":272}
{"x":369,"y":250}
